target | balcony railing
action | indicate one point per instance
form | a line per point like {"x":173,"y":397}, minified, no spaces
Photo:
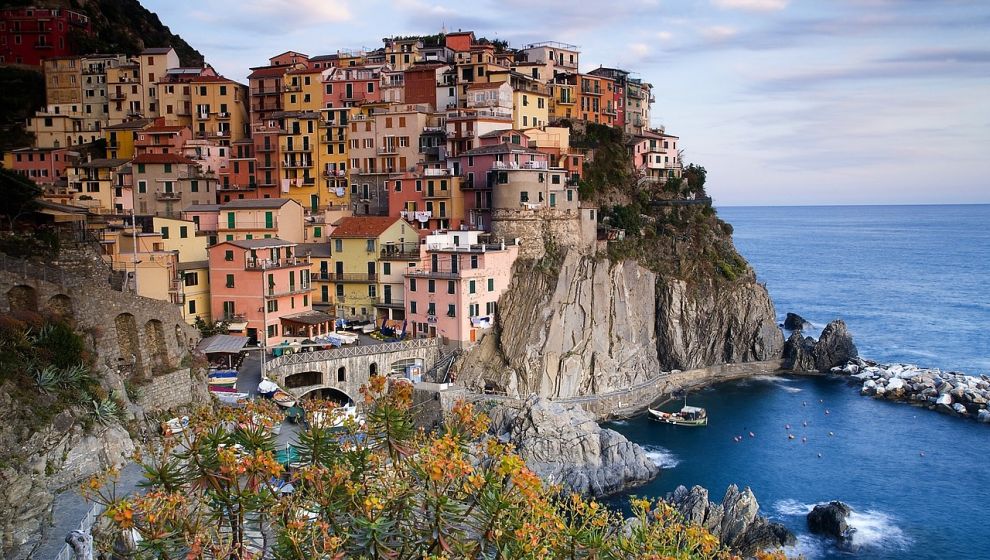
{"x":334,"y":173}
{"x":390,"y":302}
{"x":352,"y":277}
{"x":265,"y":264}
{"x":273,"y":291}
{"x":166,"y":195}
{"x":400,"y":252}
{"x":388,"y":150}
{"x":234,"y":317}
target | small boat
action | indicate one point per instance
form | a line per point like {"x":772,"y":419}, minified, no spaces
{"x":687,"y":416}
{"x":175,"y":425}
{"x":283,"y":399}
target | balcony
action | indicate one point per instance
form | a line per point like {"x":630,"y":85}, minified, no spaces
{"x":388,"y":150}
{"x":197,"y":174}
{"x":328,"y":173}
{"x":234,"y":318}
{"x":292,"y":88}
{"x":301,"y":164}
{"x":223,"y":116}
{"x":352,"y":277}
{"x":264,"y":149}
{"x":251,"y":225}
{"x":116,"y":96}
{"x":266,"y":264}
{"x":389,"y":302}
{"x":166,"y":196}
{"x":399,"y":252}
{"x":272,"y":291}
{"x":437,"y":193}
{"x":327,"y":138}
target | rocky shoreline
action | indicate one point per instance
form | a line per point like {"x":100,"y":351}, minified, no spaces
{"x":953,"y":393}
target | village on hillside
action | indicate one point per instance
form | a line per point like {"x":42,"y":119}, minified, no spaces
{"x":392,"y":189}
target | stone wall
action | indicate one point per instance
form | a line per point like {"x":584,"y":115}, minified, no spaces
{"x":540,"y":227}
{"x":179,"y":388}
{"x":433,"y":403}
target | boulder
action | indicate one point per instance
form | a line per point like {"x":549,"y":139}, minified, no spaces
{"x":983,"y":416}
{"x":798,"y":352}
{"x":830,"y":520}
{"x":566,"y":446}
{"x":835,"y":347}
{"x":736,"y":521}
{"x":795,"y":322}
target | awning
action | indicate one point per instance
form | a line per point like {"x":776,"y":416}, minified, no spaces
{"x":308,"y":318}
{"x":222,"y":344}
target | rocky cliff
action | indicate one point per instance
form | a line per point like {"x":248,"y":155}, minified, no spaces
{"x":567,"y":447}
{"x":596,"y":325}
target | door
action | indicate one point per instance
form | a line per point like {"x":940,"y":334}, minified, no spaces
{"x":252,"y":335}
{"x":387,"y":293}
{"x":323,"y":270}
{"x":371,"y":271}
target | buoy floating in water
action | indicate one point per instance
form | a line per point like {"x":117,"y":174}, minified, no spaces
{"x":805,"y":423}
{"x":831,"y":434}
{"x":827,"y":412}
{"x":922,"y":453}
{"x":790,"y":436}
{"x":819,"y":455}
{"x":751,"y":434}
{"x":804,"y":440}
{"x":787,"y":426}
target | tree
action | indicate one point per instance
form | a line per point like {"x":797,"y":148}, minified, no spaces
{"x":210,"y":329}
{"x":695,"y":175}
{"x":20,"y":195}
{"x":378,"y":490}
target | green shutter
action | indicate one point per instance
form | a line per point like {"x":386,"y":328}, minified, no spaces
{"x":230,"y":220}
{"x":269,"y":220}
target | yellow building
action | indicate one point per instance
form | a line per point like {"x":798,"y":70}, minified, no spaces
{"x":357,"y":244}
{"x":63,"y":80}
{"x":190,"y":287}
{"x":529,"y":109}
{"x":105,"y":182}
{"x":299,"y":149}
{"x":122,"y":136}
{"x":302,"y":90}
{"x":321,"y":261}
{"x":401,"y":54}
{"x":261,"y":218}
{"x":562,"y":101}
{"x":219,"y":109}
{"x":333,"y":158}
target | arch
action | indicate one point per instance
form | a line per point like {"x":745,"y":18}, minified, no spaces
{"x":328,"y":394}
{"x":373,"y":369}
{"x":341,"y":374}
{"x":304,"y":379}
{"x":154,"y":341}
{"x":127,"y":341}
{"x":22,"y":297}
{"x":60,"y":304}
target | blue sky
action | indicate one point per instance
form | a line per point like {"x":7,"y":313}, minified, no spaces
{"x":783,"y":101}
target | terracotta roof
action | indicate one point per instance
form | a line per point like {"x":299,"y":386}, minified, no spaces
{"x":214,"y":79}
{"x":162,"y":159}
{"x":497,"y":133}
{"x":256,"y":203}
{"x":258,"y":243}
{"x":130,"y":125}
{"x":364,"y":227}
{"x":489,"y":85}
{"x":306,"y":71}
{"x":202,"y":208}
{"x":268,"y":71}
{"x":101,"y":163}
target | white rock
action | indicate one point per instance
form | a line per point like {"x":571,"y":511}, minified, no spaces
{"x":851,"y":369}
{"x":958,"y":407}
{"x":895,"y":383}
{"x":870,"y":384}
{"x":984,"y":416}
{"x":945,"y":399}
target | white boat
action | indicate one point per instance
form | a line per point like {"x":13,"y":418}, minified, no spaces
{"x":687,"y":416}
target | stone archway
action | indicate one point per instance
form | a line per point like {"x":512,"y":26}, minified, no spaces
{"x":154,"y":341}
{"x":128,"y":344}
{"x":61,"y":304}
{"x":22,"y":297}
{"x":304,"y":379}
{"x":328,"y":394}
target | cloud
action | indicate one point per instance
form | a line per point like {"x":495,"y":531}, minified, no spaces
{"x":665,"y":35}
{"x":752,"y":5}
{"x":307,"y":12}
{"x":718,"y":32}
{"x":639,"y":49}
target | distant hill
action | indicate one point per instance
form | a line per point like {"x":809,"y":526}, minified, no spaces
{"x":120,"y":26}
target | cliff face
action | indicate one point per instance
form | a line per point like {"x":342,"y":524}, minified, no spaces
{"x":600,"y":326}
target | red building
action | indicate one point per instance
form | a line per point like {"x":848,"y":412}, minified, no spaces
{"x":29,"y":35}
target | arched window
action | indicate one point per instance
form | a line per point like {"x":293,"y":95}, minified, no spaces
{"x":373,"y":370}
{"x":341,"y":374}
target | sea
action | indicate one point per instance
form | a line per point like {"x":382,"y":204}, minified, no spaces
{"x":913,"y":284}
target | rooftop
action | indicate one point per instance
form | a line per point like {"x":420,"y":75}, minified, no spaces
{"x":363,"y":227}
{"x":504,"y":148}
{"x":314,"y":249}
{"x":99,"y":163}
{"x":259,"y":243}
{"x":162,"y":159}
{"x":131,"y":125}
{"x":156,"y":50}
{"x":256,"y":203}
{"x":202,"y":208}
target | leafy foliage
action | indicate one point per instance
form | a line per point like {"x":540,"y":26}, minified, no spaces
{"x":20,"y":195}
{"x":210,"y":329}
{"x":378,"y":490}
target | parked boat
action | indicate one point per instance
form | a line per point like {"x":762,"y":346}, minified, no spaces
{"x":283,"y":399}
{"x":687,"y":416}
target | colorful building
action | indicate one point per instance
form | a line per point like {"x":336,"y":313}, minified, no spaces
{"x":44,"y":166}
{"x":31,"y":34}
{"x":261,"y":287}
{"x":263,"y":218}
{"x":453,"y":291}
{"x":220,"y":109}
{"x":122,"y":137}
{"x":166,"y":183}
{"x":655,"y":155}
{"x":106,"y":183}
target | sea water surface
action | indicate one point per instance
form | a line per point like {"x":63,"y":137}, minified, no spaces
{"x":913,"y":283}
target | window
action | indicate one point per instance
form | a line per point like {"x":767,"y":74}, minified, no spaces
{"x":431,"y":309}
{"x":370,"y":246}
{"x":523,"y":197}
{"x":191,"y":279}
{"x":338,"y":245}
{"x":168,"y":168}
{"x":164,"y":232}
{"x":412,"y":284}
{"x":317,"y":231}
{"x":431,"y":286}
{"x":230,"y":220}
{"x":183,"y":232}
{"x":372,"y":291}
{"x":194,"y":185}
{"x":230,"y":280}
{"x":272,"y":305}
{"x":491,"y":284}
{"x":474,"y":261}
{"x":228,"y":255}
{"x":142,"y":186}
{"x":192,"y":306}
{"x":412,"y":306}
{"x":490,"y":308}
{"x":451,"y":310}
{"x":305,"y":301}
{"x":371,"y":87}
{"x":325,"y":293}
{"x":228,"y":309}
{"x":471,"y":287}
{"x":386,"y":268}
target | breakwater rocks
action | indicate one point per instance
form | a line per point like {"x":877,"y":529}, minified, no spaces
{"x":833,"y":348}
{"x":566,"y":446}
{"x":736,"y":521}
{"x":948,"y":392}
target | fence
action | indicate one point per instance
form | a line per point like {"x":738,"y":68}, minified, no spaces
{"x":85,"y":525}
{"x":350,"y":352}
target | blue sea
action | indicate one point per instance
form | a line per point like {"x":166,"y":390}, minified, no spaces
{"x":913,"y":283}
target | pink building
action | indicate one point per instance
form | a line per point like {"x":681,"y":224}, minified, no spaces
{"x":206,"y":217}
{"x":44,"y":166}
{"x":453,"y":292}
{"x":262,"y":289}
{"x":476,"y":165}
{"x":655,"y":154}
{"x":352,"y":85}
{"x":465,"y":127}
{"x":161,"y":139}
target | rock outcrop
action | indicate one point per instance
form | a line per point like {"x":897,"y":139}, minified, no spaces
{"x":952,"y":393}
{"x":830,"y":520}
{"x":596,"y":326}
{"x":795,"y":322}
{"x":834,"y":347}
{"x":566,"y":446}
{"x":735,"y":521}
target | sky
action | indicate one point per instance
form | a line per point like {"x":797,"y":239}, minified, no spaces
{"x":784,"y":102}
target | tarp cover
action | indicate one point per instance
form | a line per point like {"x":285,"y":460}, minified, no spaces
{"x":222,"y":344}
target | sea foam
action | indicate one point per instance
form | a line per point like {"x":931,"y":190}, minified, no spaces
{"x":661,"y":457}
